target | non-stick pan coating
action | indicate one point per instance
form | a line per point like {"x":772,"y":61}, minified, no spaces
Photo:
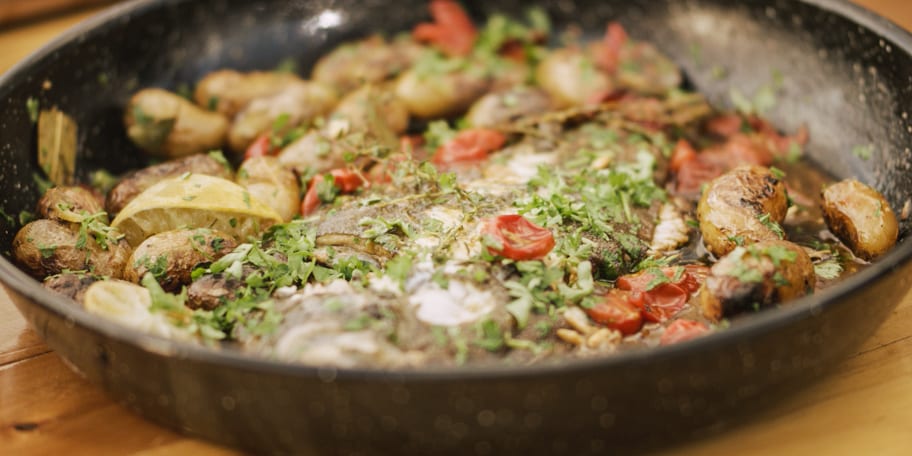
{"x":847,"y":74}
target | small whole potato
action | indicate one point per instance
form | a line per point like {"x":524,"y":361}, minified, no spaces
{"x":229,"y":91}
{"x":505,"y":106}
{"x":297,"y":104}
{"x":860,"y":217}
{"x":370,"y":108}
{"x":370,"y":60}
{"x":430,"y":94}
{"x":136,"y":182}
{"x":70,"y":285}
{"x":740,"y":207}
{"x":166,"y":125}
{"x":273,"y":184}
{"x":172,"y":255}
{"x":62,"y":203}
{"x":313,"y":152}
{"x":571,"y":78}
{"x":754,"y":277}
{"x":47,"y":247}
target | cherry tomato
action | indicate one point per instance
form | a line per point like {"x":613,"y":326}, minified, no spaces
{"x":616,"y":311}
{"x":346,"y":180}
{"x":469,"y":146}
{"x":452,"y":30}
{"x":683,"y":153}
{"x":610,"y":56}
{"x":519,"y":238}
{"x":311,"y":200}
{"x":260,"y":147}
{"x":663,"y":302}
{"x":682,"y":330}
{"x":694,"y":173}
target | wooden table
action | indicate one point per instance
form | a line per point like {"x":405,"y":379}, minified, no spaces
{"x":863,"y":408}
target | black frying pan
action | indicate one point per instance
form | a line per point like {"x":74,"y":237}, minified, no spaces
{"x":847,"y":74}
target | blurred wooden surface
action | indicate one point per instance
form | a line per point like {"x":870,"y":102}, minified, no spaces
{"x":863,"y":408}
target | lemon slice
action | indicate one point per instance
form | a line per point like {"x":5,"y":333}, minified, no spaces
{"x":128,"y":304}
{"x":194,"y":201}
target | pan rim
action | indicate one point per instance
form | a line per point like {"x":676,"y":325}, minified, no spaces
{"x":763,"y":323}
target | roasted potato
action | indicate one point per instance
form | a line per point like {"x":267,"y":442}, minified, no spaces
{"x":740,"y":207}
{"x":273,"y":184}
{"x":70,"y":285}
{"x":62,"y":203}
{"x":172,"y":255}
{"x":47,"y":247}
{"x":166,"y":125}
{"x":861,"y":217}
{"x":370,"y":60}
{"x":211,"y":291}
{"x":644,"y":69}
{"x":430,"y":93}
{"x":754,"y":277}
{"x":505,"y":106}
{"x":228,"y":91}
{"x":133,"y":184}
{"x":297,"y":104}
{"x":571,"y":78}
{"x":373,"y":108}
{"x":313,"y":152}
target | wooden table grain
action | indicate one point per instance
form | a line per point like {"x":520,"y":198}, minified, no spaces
{"x":865,"y":407}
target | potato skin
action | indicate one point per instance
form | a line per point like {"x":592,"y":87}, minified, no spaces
{"x":372,"y":107}
{"x":860,"y":217}
{"x":754,"y":277}
{"x":136,"y":182}
{"x":78,"y":200}
{"x":732,"y":204}
{"x":164,"y":124}
{"x":312,"y":152}
{"x":172,"y":255}
{"x":47,"y":247}
{"x":431,"y":96}
{"x":371,"y":60}
{"x":272,"y":184}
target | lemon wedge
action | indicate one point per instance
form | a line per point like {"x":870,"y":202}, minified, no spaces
{"x":194,"y":201}
{"x":128,"y":304}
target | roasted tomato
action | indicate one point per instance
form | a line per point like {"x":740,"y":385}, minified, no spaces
{"x":618,"y":310}
{"x":663,"y":295}
{"x":519,"y":238}
{"x":610,"y":55}
{"x":469,"y":146}
{"x":346,"y":180}
{"x":260,"y":147}
{"x":682,"y":330}
{"x":452,"y":30}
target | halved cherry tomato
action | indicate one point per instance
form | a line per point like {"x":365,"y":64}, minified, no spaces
{"x":693,"y":174}
{"x":260,"y":147}
{"x":663,"y":302}
{"x":519,"y":238}
{"x":452,"y":30}
{"x":469,"y":146}
{"x":610,"y":56}
{"x":618,"y":310}
{"x":346,"y":180}
{"x":663,"y":299}
{"x":682,"y":330}
{"x":683,"y":153}
{"x":311,"y":200}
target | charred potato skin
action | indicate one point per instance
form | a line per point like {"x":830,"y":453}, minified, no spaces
{"x":166,"y":125}
{"x":756,"y":277}
{"x":47,"y":247}
{"x":136,"y":182}
{"x":731,"y":206}
{"x":211,"y":291}
{"x":171,"y":256}
{"x":860,"y":217}
{"x":271,"y":183}
{"x":72,"y":286}
{"x":74,"y":199}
